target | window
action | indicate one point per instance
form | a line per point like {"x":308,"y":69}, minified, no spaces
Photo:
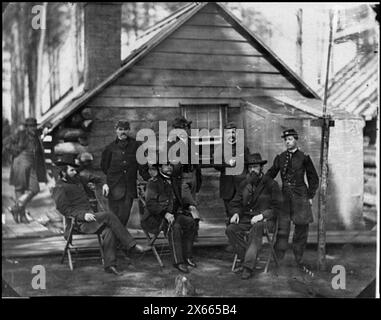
{"x":206,"y":116}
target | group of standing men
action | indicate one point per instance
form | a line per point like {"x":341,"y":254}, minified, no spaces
{"x":251,"y":199}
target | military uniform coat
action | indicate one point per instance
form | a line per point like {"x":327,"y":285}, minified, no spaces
{"x":296,"y":193}
{"x":120,"y":166}
{"x":229,"y":184}
{"x":161,"y":197}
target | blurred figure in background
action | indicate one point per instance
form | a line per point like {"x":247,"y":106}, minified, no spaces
{"x":28,"y":166}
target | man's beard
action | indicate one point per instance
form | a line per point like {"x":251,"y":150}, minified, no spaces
{"x":74,"y":179}
{"x":254,"y":177}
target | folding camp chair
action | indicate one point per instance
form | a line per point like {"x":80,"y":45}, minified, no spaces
{"x":151,"y":237}
{"x":271,"y":239}
{"x":70,"y":223}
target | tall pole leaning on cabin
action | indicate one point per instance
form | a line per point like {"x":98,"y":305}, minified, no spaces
{"x":325,"y":125}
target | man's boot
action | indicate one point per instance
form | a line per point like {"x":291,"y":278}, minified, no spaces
{"x":15,"y":211}
{"x":246,"y":273}
{"x":23,"y":216}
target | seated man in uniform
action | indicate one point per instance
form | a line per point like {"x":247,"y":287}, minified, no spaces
{"x":164,"y":209}
{"x":258,"y":200}
{"x":72,"y":201}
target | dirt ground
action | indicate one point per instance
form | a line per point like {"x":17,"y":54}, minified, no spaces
{"x":212,"y":278}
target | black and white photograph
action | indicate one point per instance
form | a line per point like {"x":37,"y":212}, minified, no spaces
{"x":190,"y":149}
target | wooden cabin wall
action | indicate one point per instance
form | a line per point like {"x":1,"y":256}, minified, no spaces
{"x":345,"y":180}
{"x":204,"y":61}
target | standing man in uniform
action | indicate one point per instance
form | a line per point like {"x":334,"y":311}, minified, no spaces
{"x":28,"y":167}
{"x":165,"y":208}
{"x":229,"y":183}
{"x":120,"y":166}
{"x":293,"y":166}
{"x":187,"y":175}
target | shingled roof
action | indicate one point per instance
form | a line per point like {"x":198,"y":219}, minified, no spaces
{"x":154,"y":36}
{"x":354,"y":88}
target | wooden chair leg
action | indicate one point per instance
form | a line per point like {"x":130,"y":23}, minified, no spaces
{"x":234,"y":262}
{"x":157,"y":256}
{"x":272,"y":250}
{"x":65,"y":252}
{"x":101,"y":249}
{"x":69,"y":239}
{"x":70,"y":260}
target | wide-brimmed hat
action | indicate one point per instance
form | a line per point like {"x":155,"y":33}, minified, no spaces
{"x":181,"y":123}
{"x":123,"y":124}
{"x":289,"y":132}
{"x":30,"y":122}
{"x":66,"y":159}
{"x":255,"y":158}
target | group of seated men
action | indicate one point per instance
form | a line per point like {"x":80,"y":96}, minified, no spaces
{"x":256,"y":201}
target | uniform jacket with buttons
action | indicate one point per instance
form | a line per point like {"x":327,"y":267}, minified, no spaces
{"x":229,"y":184}
{"x":161,"y":197}
{"x":181,"y":168}
{"x":296,"y":193}
{"x":120,"y":166}
{"x":268,"y":202}
{"x":71,"y":198}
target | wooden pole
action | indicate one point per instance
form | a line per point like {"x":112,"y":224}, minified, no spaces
{"x":324,"y":161}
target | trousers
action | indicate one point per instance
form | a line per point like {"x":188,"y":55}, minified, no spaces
{"x":113,"y":233}
{"x":247,"y":250}
{"x":180,"y":237}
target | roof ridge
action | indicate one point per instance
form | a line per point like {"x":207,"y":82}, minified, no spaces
{"x":172,"y":16}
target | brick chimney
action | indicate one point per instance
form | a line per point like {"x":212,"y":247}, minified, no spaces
{"x":102,"y":41}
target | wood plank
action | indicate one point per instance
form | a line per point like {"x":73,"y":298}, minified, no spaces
{"x":208,"y":33}
{"x":186,"y":92}
{"x":206,"y":62}
{"x":143,"y":76}
{"x":157,"y":102}
{"x":207,"y":19}
{"x":207,"y":47}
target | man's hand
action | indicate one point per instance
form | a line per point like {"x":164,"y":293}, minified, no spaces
{"x":310,"y":201}
{"x":232,"y":162}
{"x":90,"y":217}
{"x":170,"y":217}
{"x":235,"y":218}
{"x":256,"y":218}
{"x":105,"y":190}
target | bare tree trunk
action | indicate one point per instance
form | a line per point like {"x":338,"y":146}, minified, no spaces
{"x":73,"y":39}
{"x":79,"y":37}
{"x":40,"y":57}
{"x":299,"y":42}
{"x":135,"y":20}
{"x":17,"y":62}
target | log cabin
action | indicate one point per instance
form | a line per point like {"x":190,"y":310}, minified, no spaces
{"x":202,"y":62}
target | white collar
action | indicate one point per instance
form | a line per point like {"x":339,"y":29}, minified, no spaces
{"x":293,"y":151}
